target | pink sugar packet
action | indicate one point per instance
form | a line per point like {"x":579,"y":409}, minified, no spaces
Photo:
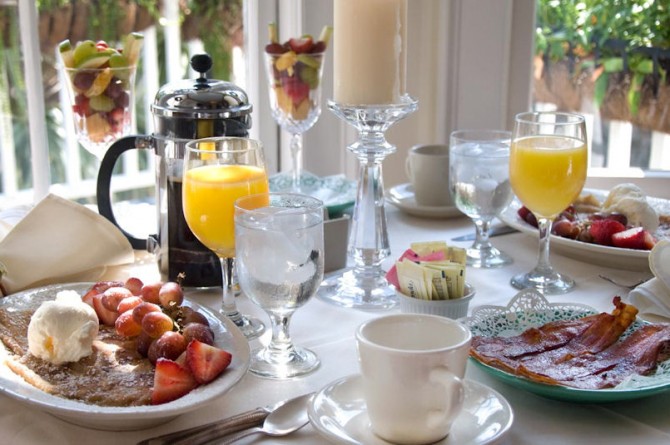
{"x":392,"y":274}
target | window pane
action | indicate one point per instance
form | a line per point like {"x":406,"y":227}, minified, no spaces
{"x":608,"y":60}
{"x":212,"y":26}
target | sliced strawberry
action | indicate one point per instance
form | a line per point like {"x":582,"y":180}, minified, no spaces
{"x":181,"y":360}
{"x":106,"y":317}
{"x":635,"y":238}
{"x":301,"y":45}
{"x":295,"y":89}
{"x":602,"y":231}
{"x":206,"y":362}
{"x":171,"y":381}
{"x":98,"y":288}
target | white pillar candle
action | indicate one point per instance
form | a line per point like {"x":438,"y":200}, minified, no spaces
{"x":370,"y":51}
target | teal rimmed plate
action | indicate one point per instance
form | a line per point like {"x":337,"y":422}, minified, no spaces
{"x":530,"y":309}
{"x":337,"y":192}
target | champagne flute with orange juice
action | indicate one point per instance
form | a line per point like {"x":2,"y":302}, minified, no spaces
{"x":217,"y":171}
{"x":548,"y":164}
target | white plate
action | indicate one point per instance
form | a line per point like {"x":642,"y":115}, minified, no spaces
{"x":339,"y":413}
{"x":402,"y":196}
{"x":627,"y":259}
{"x":227,"y":337}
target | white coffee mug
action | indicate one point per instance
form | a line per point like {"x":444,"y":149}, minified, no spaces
{"x":427,"y":167}
{"x":412,"y":366}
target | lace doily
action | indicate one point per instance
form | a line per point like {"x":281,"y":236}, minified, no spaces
{"x":526,"y":309}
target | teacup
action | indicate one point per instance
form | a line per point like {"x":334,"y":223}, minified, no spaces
{"x":412,"y":366}
{"x":427,"y":167}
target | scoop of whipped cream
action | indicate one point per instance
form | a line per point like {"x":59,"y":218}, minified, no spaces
{"x":629,"y":200}
{"x":63,"y":330}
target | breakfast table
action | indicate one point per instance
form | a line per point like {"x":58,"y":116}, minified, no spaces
{"x":329,"y":331}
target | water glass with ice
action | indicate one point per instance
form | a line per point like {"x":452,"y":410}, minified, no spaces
{"x":280,"y":255}
{"x":480,"y":186}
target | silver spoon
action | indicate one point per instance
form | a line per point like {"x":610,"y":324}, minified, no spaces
{"x":284,"y":420}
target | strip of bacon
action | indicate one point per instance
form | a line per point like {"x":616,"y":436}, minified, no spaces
{"x":504,"y":352}
{"x":587,"y":334}
{"x":639,"y":354}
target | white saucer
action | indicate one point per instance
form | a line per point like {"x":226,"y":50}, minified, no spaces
{"x":402,"y":196}
{"x":338,"y":412}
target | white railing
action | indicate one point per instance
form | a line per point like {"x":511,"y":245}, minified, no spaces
{"x":619,"y":150}
{"x":74,"y":187}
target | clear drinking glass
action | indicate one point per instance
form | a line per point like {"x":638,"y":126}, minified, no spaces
{"x":548,"y":164}
{"x":217,"y":171}
{"x":102,"y":103}
{"x":279,"y":240}
{"x":295,"y":99}
{"x":479,"y":184}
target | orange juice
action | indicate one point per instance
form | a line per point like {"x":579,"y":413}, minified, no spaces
{"x":547,"y":172}
{"x":209,"y":194}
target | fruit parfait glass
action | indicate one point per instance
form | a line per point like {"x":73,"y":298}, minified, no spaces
{"x":100,"y":82}
{"x":294,"y":71}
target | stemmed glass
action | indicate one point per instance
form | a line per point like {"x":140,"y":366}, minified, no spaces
{"x":548,"y":164}
{"x":295,"y":99}
{"x":279,"y":240}
{"x":217,"y":171}
{"x":479,"y":184}
{"x":102,"y":104}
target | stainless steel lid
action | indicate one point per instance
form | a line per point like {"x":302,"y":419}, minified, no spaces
{"x":179,"y":106}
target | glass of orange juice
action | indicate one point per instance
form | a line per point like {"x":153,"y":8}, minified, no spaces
{"x":548,"y":164}
{"x":217,"y":171}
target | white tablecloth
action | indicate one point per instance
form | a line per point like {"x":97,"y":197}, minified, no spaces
{"x":329,"y":331}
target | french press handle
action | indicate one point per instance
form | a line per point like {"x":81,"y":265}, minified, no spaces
{"x":105,"y":179}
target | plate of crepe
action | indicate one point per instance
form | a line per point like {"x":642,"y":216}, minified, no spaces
{"x":557,"y":370}
{"x":114,"y":418}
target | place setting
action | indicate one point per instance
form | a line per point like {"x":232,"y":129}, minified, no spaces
{"x":425,"y":399}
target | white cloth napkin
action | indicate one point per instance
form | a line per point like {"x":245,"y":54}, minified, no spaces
{"x":653,"y":297}
{"x":60,"y":241}
{"x":652,"y":300}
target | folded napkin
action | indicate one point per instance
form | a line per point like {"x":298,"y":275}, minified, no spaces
{"x":652,"y":300}
{"x":653,"y":297}
{"x":60,"y":241}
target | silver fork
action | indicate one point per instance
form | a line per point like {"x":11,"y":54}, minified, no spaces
{"x":625,"y":286}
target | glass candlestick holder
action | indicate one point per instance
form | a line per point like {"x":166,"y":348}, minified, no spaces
{"x":364,"y":286}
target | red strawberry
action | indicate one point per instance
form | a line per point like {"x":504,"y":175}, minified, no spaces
{"x":82,"y":105}
{"x":206,"y":362}
{"x":602,"y":231}
{"x":171,"y":381}
{"x":295,"y":89}
{"x":98,"y":288}
{"x":106,"y":317}
{"x":301,"y":45}
{"x":635,"y":238}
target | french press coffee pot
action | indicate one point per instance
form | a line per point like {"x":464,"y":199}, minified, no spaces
{"x":184,"y":110}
